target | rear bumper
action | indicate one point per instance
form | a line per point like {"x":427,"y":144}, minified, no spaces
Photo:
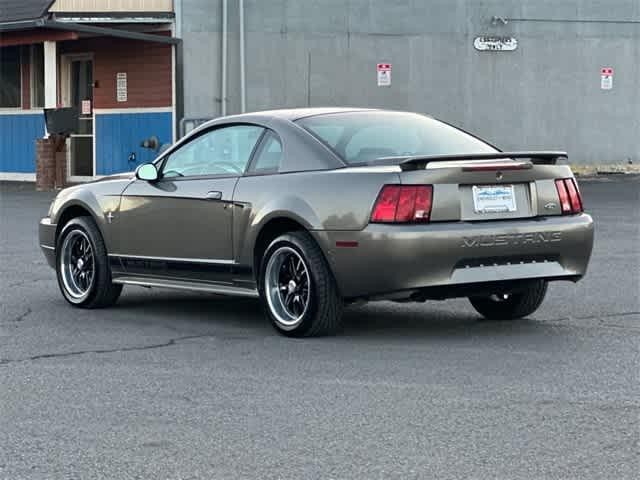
{"x":47,"y":238}
{"x":398,"y":258}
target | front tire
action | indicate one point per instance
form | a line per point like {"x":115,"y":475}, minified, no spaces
{"x":298,"y":290}
{"x":82,"y":266}
{"x":511,"y":306}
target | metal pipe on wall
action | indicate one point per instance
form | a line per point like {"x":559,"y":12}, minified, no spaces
{"x":243,"y":83}
{"x":223,"y":94}
{"x":177,"y":7}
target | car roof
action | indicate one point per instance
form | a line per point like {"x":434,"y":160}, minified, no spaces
{"x":283,"y":114}
{"x":281,"y":121}
{"x":292,"y":114}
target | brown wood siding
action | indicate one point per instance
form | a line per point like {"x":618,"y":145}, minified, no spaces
{"x":147,"y":65}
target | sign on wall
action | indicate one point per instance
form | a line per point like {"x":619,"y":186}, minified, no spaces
{"x":86,"y":107}
{"x":121,"y":86}
{"x":606,"y":78}
{"x":489,"y":43}
{"x":384,"y":74}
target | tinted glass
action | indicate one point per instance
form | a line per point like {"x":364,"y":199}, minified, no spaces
{"x":269,"y":156}
{"x":367,"y":136}
{"x":10,"y":77}
{"x":224,"y":151}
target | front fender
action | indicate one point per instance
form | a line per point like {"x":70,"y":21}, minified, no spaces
{"x":98,"y":199}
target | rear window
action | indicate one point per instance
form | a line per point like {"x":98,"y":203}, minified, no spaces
{"x":361,"y":137}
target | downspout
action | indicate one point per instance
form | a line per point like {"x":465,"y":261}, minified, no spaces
{"x":177,"y":7}
{"x":178,"y":71}
{"x":243,"y":86}
{"x":223,"y":94}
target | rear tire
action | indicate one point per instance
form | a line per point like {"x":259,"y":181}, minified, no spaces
{"x":511,"y":306}
{"x":82,"y":266}
{"x":299,"y":293}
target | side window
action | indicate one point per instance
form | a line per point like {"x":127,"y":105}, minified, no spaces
{"x":223,"y":151}
{"x":269,"y":156}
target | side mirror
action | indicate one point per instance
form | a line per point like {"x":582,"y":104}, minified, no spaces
{"x":147,"y":172}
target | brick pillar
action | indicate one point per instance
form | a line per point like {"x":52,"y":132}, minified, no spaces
{"x":61,"y":167}
{"x":45,"y":163}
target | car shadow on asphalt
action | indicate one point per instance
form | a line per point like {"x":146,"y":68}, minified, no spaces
{"x":382,"y":320}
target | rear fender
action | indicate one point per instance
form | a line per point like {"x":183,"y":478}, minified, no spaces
{"x":246,"y":230}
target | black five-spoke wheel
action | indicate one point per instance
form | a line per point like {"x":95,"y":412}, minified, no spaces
{"x":298,"y":289}
{"x":82,"y":265}
{"x":77,"y":264}
{"x":287,"y":285}
{"x":511,"y":305}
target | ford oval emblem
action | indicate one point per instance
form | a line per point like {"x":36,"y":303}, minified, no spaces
{"x":550,"y":206}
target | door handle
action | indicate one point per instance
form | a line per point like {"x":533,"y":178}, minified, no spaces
{"x":213,"y":195}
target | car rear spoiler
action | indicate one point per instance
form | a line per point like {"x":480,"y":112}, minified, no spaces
{"x":537,"y":158}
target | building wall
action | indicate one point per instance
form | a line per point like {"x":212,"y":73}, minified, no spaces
{"x":119,"y":134}
{"x":120,"y":127}
{"x":546,"y":94}
{"x":18,"y":133}
{"x":20,"y":127}
{"x":112,"y":6}
{"x":148,"y":68}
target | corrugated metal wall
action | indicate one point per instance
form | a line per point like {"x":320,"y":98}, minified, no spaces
{"x":112,"y":6}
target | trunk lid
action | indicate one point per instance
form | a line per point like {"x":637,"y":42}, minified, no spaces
{"x":489,"y":187}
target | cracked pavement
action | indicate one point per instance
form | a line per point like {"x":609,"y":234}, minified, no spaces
{"x":175,"y":385}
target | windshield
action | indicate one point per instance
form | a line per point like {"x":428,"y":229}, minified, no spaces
{"x":362,"y":137}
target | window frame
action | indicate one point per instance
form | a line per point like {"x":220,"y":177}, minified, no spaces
{"x":250,"y":170}
{"x":32,"y":79}
{"x":160,"y":163}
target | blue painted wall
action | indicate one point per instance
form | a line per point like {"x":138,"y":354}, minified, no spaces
{"x":18,"y":134}
{"x":119,"y":134}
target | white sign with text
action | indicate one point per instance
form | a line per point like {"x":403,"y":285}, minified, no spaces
{"x":121,"y":86}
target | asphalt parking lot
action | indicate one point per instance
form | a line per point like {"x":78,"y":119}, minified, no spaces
{"x":171,"y":385}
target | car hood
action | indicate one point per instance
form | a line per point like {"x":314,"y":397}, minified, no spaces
{"x":117,"y":176}
{"x":112,"y":184}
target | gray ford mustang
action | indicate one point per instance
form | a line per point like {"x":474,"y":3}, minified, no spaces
{"x":313,"y":209}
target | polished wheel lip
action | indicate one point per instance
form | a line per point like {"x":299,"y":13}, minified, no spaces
{"x":287,"y":286}
{"x":77,"y":265}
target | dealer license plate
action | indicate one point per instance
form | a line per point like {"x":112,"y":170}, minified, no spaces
{"x":494,"y":199}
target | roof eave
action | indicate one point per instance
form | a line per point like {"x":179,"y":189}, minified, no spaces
{"x":92,"y":29}
{"x":21,"y":24}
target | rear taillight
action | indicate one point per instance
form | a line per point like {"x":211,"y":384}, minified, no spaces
{"x":403,"y":204}
{"x":570,"y":200}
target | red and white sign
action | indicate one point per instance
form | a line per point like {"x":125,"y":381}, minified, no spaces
{"x":606,"y":78}
{"x":384,"y":74}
